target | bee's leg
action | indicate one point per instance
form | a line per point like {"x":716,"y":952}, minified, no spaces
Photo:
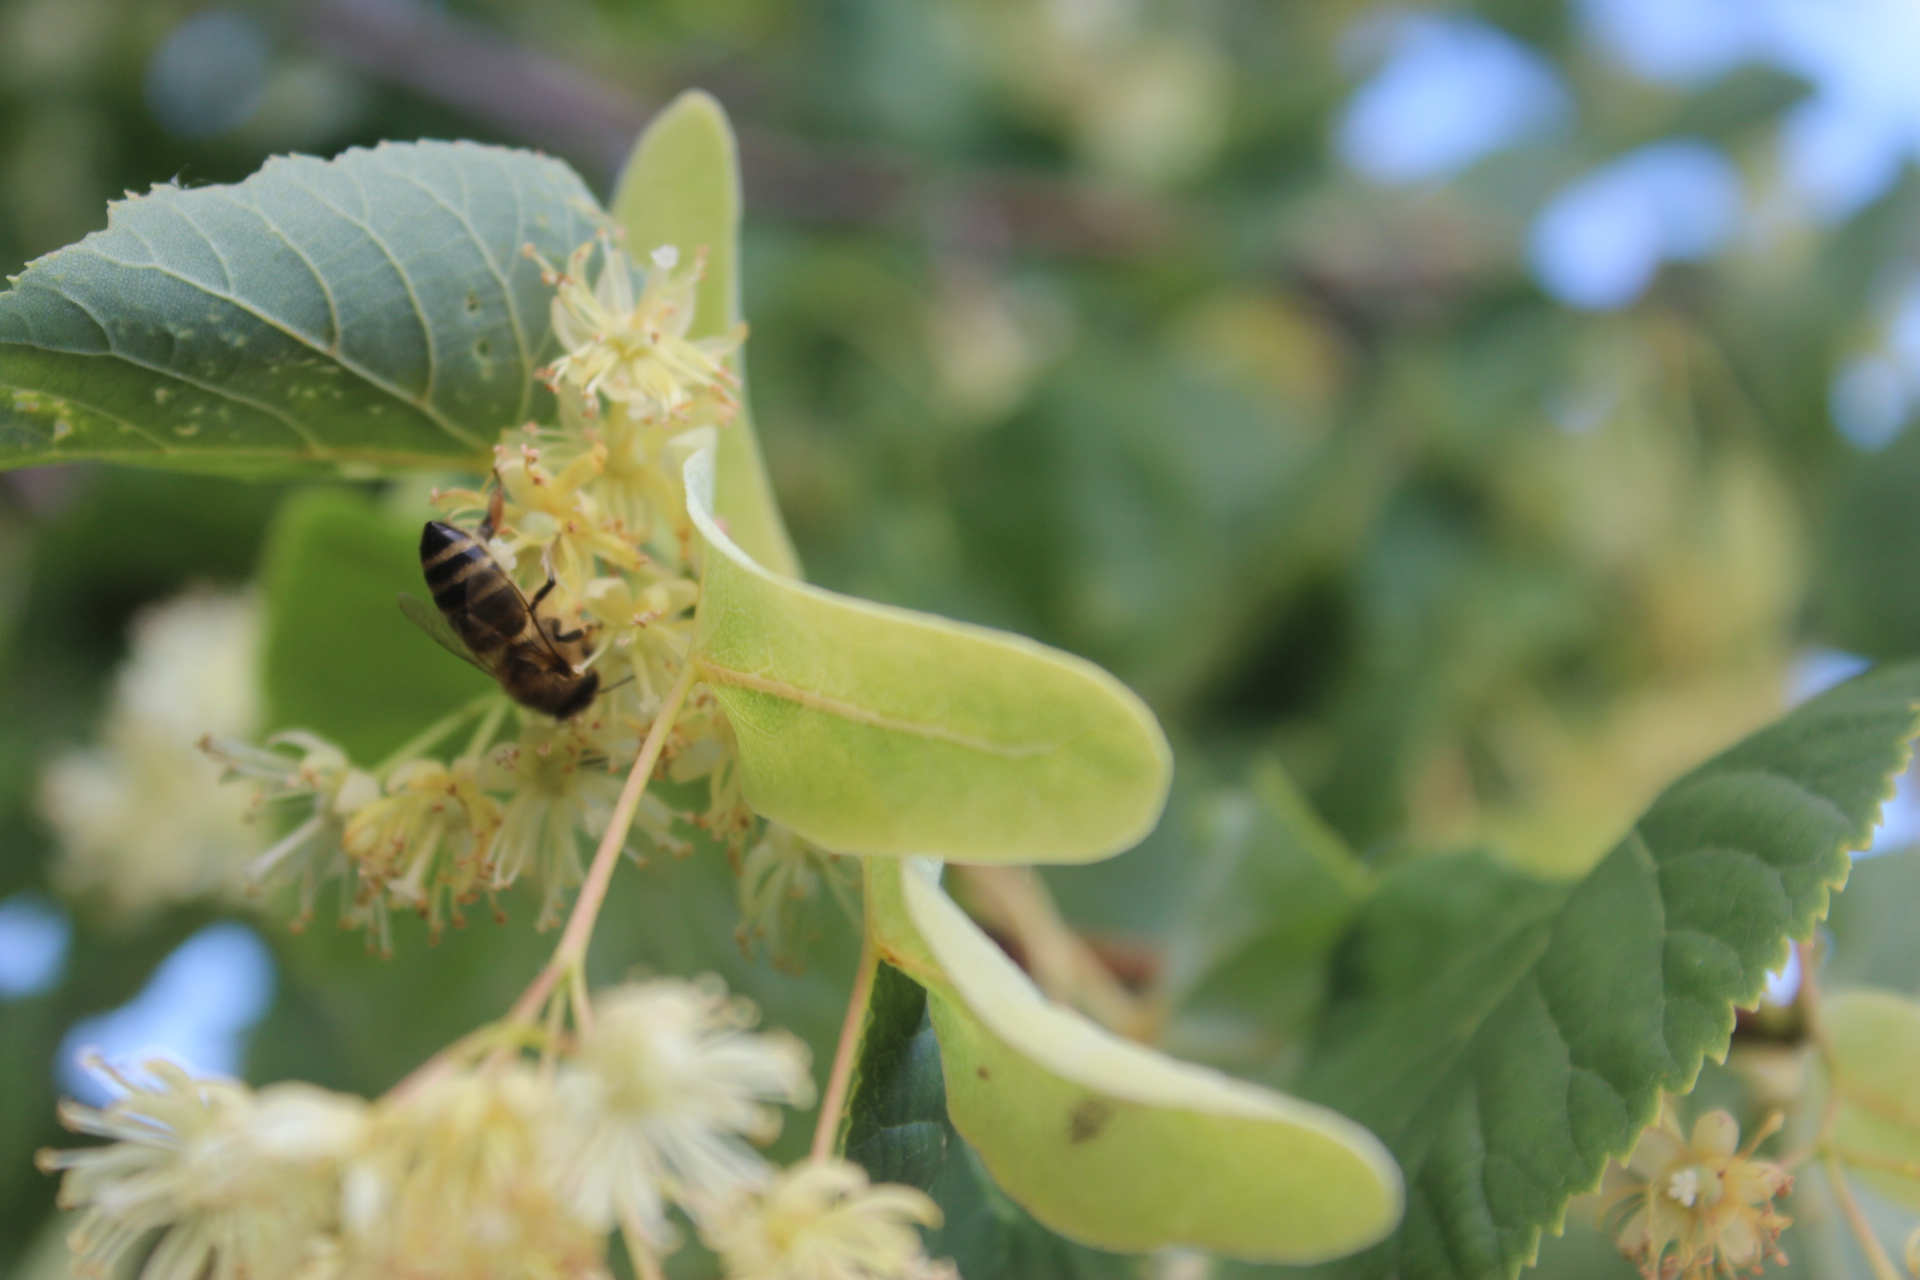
{"x":545,"y":590}
{"x":496,"y":507}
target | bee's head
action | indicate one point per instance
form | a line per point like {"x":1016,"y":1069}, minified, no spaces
{"x":581,"y":697}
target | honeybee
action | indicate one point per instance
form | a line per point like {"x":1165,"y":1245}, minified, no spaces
{"x":484,"y":619}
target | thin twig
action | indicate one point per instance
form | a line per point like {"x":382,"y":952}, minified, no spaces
{"x":572,"y":950}
{"x":1883,"y":1268}
{"x":547,"y":102}
{"x":1867,"y":1160}
{"x":593,"y":892}
{"x":827,"y":1128}
{"x":646,"y":1263}
{"x":1063,"y":965}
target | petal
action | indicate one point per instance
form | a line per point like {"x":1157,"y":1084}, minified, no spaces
{"x":1716,"y":1133}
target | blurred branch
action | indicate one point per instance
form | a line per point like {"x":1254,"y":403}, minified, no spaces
{"x":548,"y":103}
{"x":1014,"y":904}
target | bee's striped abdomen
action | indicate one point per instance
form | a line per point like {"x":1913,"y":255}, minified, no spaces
{"x":475,"y":594}
{"x":499,"y":628}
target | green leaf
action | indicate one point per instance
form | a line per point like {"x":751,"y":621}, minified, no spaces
{"x":899,"y":1132}
{"x":1876,"y":1066}
{"x":372,"y":310}
{"x":341,"y":659}
{"x":1247,"y":961}
{"x":1111,"y":1143}
{"x":1864,"y":599}
{"x":875,"y":730}
{"x":1507,"y":1035}
{"x":681,"y":187}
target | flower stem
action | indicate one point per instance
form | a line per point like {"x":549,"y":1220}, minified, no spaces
{"x":431,"y":736}
{"x":827,"y":1128}
{"x":1877,"y":1259}
{"x":489,"y":726}
{"x":1867,"y":1160}
{"x":572,"y":950}
{"x":646,"y":1263}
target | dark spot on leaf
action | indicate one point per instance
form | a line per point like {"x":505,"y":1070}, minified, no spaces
{"x":473,"y":300}
{"x":1088,"y":1119}
{"x":981,"y":1072}
{"x":483,"y":348}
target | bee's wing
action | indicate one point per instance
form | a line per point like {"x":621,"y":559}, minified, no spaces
{"x":434,"y":623}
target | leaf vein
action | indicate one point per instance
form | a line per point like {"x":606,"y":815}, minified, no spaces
{"x":213,"y":388}
{"x":304,"y":339}
{"x":332,"y":348}
{"x":860,"y":715}
{"x":158,"y":442}
{"x":423,"y":400}
{"x":486,"y":256}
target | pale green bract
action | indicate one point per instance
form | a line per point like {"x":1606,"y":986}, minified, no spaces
{"x":681,"y":187}
{"x":1875,"y":1037}
{"x":874,"y":730}
{"x":1114,"y":1144}
{"x":373,"y":311}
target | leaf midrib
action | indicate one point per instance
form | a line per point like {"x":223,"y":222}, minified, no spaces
{"x":816,"y":701}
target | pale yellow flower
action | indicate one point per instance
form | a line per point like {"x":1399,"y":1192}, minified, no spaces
{"x":633,"y":348}
{"x":426,"y":841}
{"x":561,"y":791}
{"x":649,"y":627}
{"x":822,"y":1220}
{"x":452,"y":1187}
{"x":1691,"y":1207}
{"x":660,"y":1099}
{"x":782,"y":879}
{"x":551,"y":520}
{"x":141,"y":818}
{"x":322,"y":790}
{"x":241,"y":1184}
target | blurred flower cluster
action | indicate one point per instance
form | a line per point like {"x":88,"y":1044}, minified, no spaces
{"x":141,"y":821}
{"x":487,"y":1163}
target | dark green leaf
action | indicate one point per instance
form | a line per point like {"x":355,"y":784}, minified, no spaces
{"x":1507,"y":1035}
{"x":898,"y":1130}
{"x":373,"y":310}
{"x":1864,"y":596}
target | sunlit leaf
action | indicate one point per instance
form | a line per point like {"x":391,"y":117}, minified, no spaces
{"x":1507,"y":1035}
{"x":1876,"y":1065}
{"x":681,"y":187}
{"x":898,"y":1131}
{"x":875,"y":730}
{"x":374,"y":310}
{"x":1114,"y":1144}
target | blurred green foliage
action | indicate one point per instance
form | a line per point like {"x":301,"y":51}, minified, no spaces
{"x":1309,"y":462}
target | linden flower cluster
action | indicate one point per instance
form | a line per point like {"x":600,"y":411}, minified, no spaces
{"x":593,"y":504}
{"x":143,"y":822}
{"x":1695,"y":1206}
{"x":492,"y":1166}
